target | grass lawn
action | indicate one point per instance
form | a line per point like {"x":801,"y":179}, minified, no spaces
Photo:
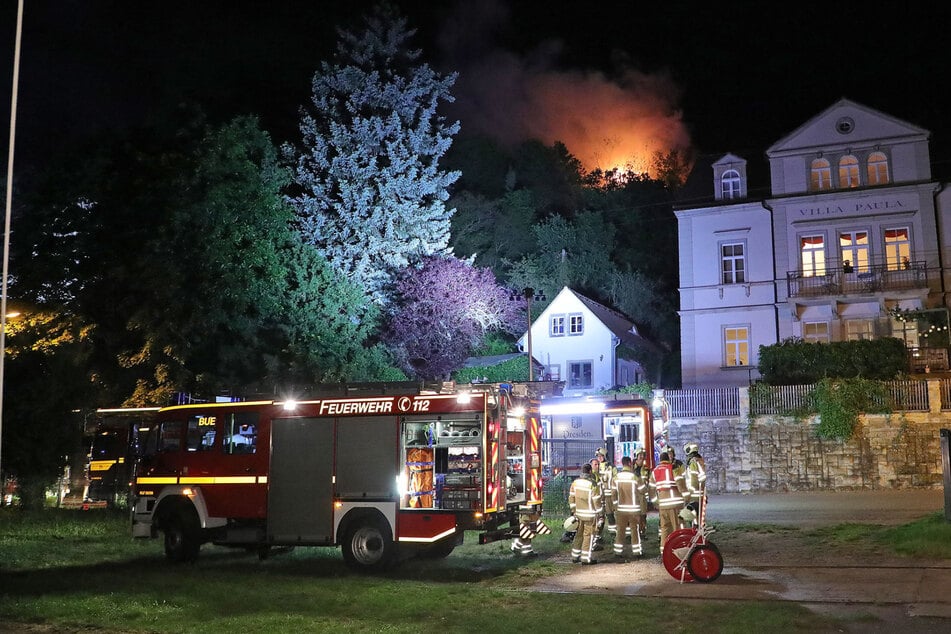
{"x":74,"y":570}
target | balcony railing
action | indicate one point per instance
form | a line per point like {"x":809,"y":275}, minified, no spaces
{"x":869,"y":279}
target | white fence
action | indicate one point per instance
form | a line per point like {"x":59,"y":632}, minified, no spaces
{"x":907,"y":396}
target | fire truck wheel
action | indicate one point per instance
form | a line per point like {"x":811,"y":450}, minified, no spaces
{"x":182,"y":540}
{"x":368,"y":544}
{"x":705,"y":562}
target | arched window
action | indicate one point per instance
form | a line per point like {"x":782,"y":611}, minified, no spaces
{"x":848,"y":172}
{"x":730,"y":184}
{"x":821,"y":177}
{"x":877,"y":168}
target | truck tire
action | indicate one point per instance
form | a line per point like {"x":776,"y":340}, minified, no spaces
{"x":182,"y":536}
{"x":368,"y":544}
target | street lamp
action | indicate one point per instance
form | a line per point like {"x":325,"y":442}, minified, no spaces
{"x":9,"y":203}
{"x":529,"y":295}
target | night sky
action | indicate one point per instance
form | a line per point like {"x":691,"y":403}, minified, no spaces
{"x":719,"y":77}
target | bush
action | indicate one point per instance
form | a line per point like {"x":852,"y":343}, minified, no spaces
{"x":797,"y":362}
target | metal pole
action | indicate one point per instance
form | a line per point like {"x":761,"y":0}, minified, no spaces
{"x":529,"y":293}
{"x":6,"y":226}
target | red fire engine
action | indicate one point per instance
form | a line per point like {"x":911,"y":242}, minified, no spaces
{"x":386,"y":476}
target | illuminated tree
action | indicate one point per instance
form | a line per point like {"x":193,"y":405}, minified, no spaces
{"x":369,"y":191}
{"x":443,"y":310}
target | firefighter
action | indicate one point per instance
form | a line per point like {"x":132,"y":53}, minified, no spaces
{"x":607,"y":472}
{"x":627,"y":509}
{"x":595,"y":476}
{"x":642,"y":474}
{"x":679,"y":470}
{"x":584,"y":502}
{"x":667,"y":491}
{"x":695,"y":478}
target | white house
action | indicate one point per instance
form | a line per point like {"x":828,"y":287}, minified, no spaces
{"x":853,"y":227}
{"x":577,"y":340}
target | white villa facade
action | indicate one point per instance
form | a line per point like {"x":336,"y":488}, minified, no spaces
{"x":853,"y":228}
{"x":576,"y":340}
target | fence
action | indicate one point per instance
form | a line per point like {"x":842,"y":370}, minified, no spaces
{"x":905,"y":396}
{"x":703,"y":402}
{"x":563,"y":460}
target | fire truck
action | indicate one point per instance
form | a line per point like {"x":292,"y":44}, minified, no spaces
{"x":385,"y":473}
{"x":112,"y":449}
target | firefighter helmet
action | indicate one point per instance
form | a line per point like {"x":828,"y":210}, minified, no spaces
{"x":640,"y":451}
{"x":687,"y":515}
{"x":571,"y":524}
{"x":600,"y":451}
{"x":691,"y":447}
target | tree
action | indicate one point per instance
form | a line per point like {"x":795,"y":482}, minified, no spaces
{"x":443,"y":309}
{"x":369,"y":191}
{"x":46,"y":352}
{"x":177,"y":247}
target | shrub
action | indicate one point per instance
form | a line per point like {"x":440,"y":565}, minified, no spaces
{"x":797,"y":362}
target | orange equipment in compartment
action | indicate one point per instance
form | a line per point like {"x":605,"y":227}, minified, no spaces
{"x":420,"y":463}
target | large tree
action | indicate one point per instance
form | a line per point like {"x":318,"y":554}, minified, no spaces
{"x":442,"y":312}
{"x":178,"y":249}
{"x":370,"y":194}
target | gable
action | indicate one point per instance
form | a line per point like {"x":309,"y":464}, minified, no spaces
{"x":846,"y":123}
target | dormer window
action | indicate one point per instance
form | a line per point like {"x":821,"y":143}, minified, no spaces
{"x":730,"y":185}
{"x":877,"y":168}
{"x":821,"y":175}
{"x":848,"y":172}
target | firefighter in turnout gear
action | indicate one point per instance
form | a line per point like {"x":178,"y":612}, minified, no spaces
{"x":627,"y":509}
{"x":667,"y":491}
{"x":584,"y":502}
{"x":680,"y":470}
{"x":607,"y":472}
{"x":530,"y":526}
{"x":695,"y":478}
{"x":642,"y":473}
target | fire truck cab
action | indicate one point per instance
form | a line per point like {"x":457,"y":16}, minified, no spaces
{"x":384,"y":475}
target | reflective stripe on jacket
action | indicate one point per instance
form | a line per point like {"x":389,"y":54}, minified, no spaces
{"x":625,"y":492}
{"x":584,"y":499}
{"x":666,"y":486}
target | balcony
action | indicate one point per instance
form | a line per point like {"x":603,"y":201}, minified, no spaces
{"x":871,"y":279}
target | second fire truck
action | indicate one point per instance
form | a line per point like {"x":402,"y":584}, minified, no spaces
{"x":383,"y":475}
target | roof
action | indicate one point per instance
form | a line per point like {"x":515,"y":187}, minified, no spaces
{"x":622,"y":327}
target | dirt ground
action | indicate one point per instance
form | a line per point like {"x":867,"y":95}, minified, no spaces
{"x":861,"y":583}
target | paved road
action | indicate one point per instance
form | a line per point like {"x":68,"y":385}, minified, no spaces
{"x":890,"y":594}
{"x":814,"y":509}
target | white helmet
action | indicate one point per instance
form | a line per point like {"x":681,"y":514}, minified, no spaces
{"x":571,"y":524}
{"x":691,"y":447}
{"x":687,"y":515}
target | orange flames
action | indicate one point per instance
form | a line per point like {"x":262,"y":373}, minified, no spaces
{"x":619,"y":122}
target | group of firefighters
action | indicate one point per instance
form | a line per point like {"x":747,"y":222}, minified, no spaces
{"x":604,"y":498}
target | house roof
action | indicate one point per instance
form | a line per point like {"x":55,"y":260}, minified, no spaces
{"x":622,"y":327}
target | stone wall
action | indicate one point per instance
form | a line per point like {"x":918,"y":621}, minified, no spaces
{"x":763,"y":454}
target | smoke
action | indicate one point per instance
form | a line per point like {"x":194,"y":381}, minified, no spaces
{"x":616,"y":120}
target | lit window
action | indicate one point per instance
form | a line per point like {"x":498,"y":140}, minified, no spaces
{"x":733,"y":263}
{"x":815,"y":331}
{"x":854,"y":247}
{"x":897,"y":249}
{"x":241,"y":435}
{"x":579,"y":374}
{"x":821,"y":175}
{"x":576,"y":324}
{"x":557,"y":326}
{"x":200,"y":433}
{"x":877,"y":168}
{"x":848,"y":172}
{"x":858,"y":329}
{"x":736,"y":345}
{"x":730,"y":184}
{"x":812,"y":250}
